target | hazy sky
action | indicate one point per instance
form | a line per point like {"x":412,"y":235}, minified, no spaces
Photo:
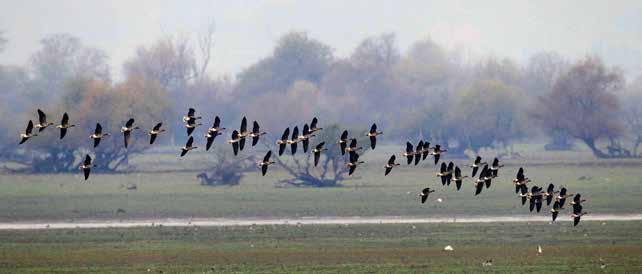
{"x":247,"y":30}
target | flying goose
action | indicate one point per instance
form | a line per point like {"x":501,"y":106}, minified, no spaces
{"x":243,"y":133}
{"x":577,"y":213}
{"x":28,"y":133}
{"x":256,"y":133}
{"x":127,"y":130}
{"x":354,"y":162}
{"x":483,"y":178}
{"x":235,"y":142}
{"x":294,"y":140}
{"x":212,"y":132}
{"x":86,"y":166}
{"x":313,"y":125}
{"x":188,"y":146}
{"x":391,"y":164}
{"x":520,"y":179}
{"x":317,"y":152}
{"x":424,"y":194}
{"x":437,"y":151}
{"x":577,"y":199}
{"x":418,"y":151}
{"x":42,"y":121}
{"x":458,"y":178}
{"x":263,"y":165}
{"x":191,"y":125}
{"x":304,"y":138}
{"x":549,"y":194}
{"x":352,"y":149}
{"x":535,"y":197}
{"x":495,"y":166}
{"x":373,"y":135}
{"x":153,"y":134}
{"x":445,"y":174}
{"x":410,"y":153}
{"x":190,"y":115}
{"x":425,"y":150}
{"x":64,"y":125}
{"x":98,"y":134}
{"x":283,"y":142}
{"x":476,"y":165}
{"x":561,"y":197}
{"x":343,"y":142}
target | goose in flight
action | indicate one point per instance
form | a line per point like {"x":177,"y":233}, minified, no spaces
{"x":153,"y":134}
{"x":42,"y":121}
{"x":127,"y":130}
{"x":188,"y":146}
{"x":263,"y":165}
{"x":390,"y":165}
{"x":283,"y":142}
{"x":98,"y":135}
{"x":86,"y":166}
{"x":317,"y":152}
{"x":372,"y":134}
{"x":64,"y":125}
{"x":424,"y":194}
{"x":28,"y":133}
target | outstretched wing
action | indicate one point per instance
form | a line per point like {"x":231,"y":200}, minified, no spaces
{"x":157,"y":126}
{"x":130,"y":123}
{"x":286,"y":134}
{"x":42,"y":117}
{"x":266,"y":158}
{"x":373,"y":128}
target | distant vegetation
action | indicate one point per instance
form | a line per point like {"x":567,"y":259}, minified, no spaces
{"x":425,"y":91}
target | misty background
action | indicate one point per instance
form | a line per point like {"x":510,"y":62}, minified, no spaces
{"x":469,"y":75}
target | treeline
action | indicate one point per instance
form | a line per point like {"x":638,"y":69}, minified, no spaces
{"x":426,"y":92}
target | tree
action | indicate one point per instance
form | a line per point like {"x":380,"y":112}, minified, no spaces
{"x":227,"y":170}
{"x":170,"y":62}
{"x":632,"y":112}
{"x":332,"y":165}
{"x":583,"y":103}
{"x":295,"y":57}
{"x":88,"y":102}
{"x":488,"y":113}
{"x":62,"y":57}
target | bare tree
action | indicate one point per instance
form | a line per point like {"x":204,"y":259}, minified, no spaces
{"x":205,"y":46}
{"x":227,"y":169}
{"x":331,"y":170}
{"x":583,"y":104}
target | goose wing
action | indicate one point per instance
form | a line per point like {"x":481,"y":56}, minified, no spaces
{"x":42,"y":117}
{"x":285,"y":135}
{"x":130,"y":123}
{"x":267,"y":156}
{"x":157,"y":126}
{"x":373,"y":128}
{"x":217,"y":122}
{"x":243,"y":125}
{"x":29,"y":128}
{"x":65,"y":119}
{"x":392,"y":160}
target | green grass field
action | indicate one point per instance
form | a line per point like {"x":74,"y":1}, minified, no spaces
{"x":330,"y":248}
{"x":166,"y":190}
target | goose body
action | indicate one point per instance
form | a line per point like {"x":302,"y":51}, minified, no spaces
{"x":42,"y":121}
{"x":410,"y":153}
{"x":424,"y":194}
{"x":98,"y":134}
{"x":354,"y":162}
{"x":317,"y":152}
{"x":458,"y":178}
{"x":191,"y":115}
{"x":476,"y":165}
{"x":390,"y":165}
{"x":64,"y":125}
{"x":28,"y":133}
{"x":153,"y":134}
{"x":343,"y":142}
{"x":236,"y":139}
{"x":86,"y":166}
{"x":256,"y":133}
{"x":191,"y":125}
{"x":283,"y":142}
{"x":372,"y":134}
{"x":313,"y":125}
{"x":263,"y":165}
{"x":437,"y":151}
{"x":127,"y":130}
{"x":188,"y":146}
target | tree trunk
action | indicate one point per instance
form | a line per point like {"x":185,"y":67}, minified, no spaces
{"x":598,"y":153}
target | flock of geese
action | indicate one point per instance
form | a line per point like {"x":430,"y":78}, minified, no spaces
{"x":448,"y":173}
